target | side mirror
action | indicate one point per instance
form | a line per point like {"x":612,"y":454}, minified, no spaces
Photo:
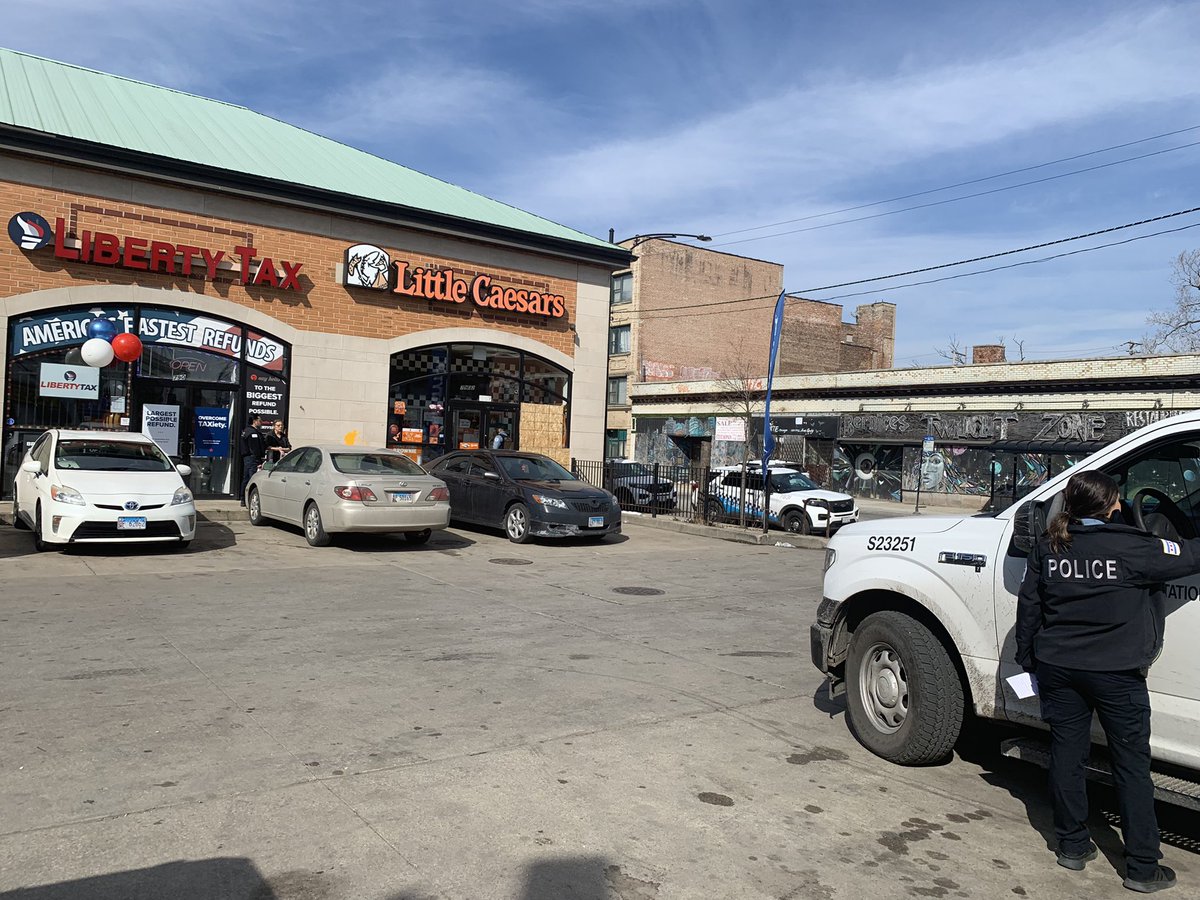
{"x":184,"y":471}
{"x":1029,"y":522}
{"x":32,"y":466}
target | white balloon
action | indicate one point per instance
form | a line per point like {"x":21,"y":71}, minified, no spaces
{"x":97,"y":352}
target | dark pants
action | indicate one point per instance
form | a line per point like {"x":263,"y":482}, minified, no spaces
{"x":1122,"y":702}
{"x":249,"y":467}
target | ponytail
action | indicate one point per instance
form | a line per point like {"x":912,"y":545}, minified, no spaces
{"x":1088,"y":495}
{"x":1057,"y":533}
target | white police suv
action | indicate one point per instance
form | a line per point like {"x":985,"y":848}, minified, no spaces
{"x":917,"y":618}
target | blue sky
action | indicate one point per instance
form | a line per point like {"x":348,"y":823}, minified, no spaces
{"x":715,"y":117}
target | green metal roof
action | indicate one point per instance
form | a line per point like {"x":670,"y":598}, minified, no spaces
{"x":69,"y":101}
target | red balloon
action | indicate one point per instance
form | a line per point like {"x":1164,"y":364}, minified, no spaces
{"x":127,"y":347}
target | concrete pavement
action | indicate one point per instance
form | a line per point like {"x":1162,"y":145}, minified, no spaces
{"x":471,"y":719}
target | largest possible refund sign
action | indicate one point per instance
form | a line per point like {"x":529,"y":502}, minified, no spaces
{"x":160,"y":423}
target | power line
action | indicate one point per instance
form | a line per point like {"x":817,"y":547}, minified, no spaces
{"x":670,"y":313}
{"x":1026,"y":262}
{"x":959,"y":184}
{"x":963,"y":262}
{"x":893,"y":212}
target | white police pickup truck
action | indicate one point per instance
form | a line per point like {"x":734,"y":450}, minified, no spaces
{"x":916,"y":622}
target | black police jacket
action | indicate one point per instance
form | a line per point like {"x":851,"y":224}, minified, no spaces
{"x":1092,"y":607}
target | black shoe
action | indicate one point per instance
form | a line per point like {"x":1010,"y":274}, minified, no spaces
{"x":1163,"y":878}
{"x":1076,"y":861}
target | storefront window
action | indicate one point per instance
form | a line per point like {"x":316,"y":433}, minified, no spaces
{"x":468,"y":396}
{"x":191,"y":389}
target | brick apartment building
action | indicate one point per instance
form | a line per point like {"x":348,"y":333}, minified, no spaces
{"x":686,"y":313}
{"x":266,"y":269}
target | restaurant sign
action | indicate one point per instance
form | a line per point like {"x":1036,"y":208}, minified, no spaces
{"x":368,"y":266}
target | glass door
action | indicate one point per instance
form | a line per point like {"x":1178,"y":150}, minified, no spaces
{"x":476,"y":426}
{"x":194,"y":425}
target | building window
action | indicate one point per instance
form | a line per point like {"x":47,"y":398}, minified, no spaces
{"x":617,"y":391}
{"x":618,"y":339}
{"x":614,"y":443}
{"x":622,"y":289}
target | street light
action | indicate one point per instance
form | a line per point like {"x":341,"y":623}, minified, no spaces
{"x":642,"y":238}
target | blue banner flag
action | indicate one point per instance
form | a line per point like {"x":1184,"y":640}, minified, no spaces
{"x":768,"y":437}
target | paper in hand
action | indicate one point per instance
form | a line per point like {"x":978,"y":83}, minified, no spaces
{"x":1023,"y":685}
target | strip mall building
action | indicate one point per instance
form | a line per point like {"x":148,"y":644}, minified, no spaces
{"x":266,"y":269}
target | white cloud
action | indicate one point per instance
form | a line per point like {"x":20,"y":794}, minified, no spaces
{"x":814,"y":135}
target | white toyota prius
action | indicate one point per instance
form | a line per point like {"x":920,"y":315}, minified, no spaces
{"x":79,"y":487}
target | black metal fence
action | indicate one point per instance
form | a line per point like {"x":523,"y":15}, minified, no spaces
{"x":652,"y":489}
{"x":689,"y":493}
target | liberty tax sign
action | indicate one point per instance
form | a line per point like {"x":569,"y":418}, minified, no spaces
{"x":81,"y":382}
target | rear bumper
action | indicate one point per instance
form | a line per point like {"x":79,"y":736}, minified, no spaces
{"x":353,"y":516}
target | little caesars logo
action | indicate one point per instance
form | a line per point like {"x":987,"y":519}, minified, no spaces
{"x":368,"y":266}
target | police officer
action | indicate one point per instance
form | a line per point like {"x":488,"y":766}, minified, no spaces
{"x":254,"y":448}
{"x":1088,"y":628}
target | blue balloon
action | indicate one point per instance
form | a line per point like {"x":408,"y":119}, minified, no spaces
{"x":105,"y":329}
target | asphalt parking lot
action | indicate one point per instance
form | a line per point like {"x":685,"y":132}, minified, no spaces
{"x":473,"y":719}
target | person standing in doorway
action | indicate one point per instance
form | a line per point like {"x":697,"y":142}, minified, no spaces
{"x":254,"y":449}
{"x":1087,"y":627}
{"x":500,"y":440}
{"x":278,"y":445}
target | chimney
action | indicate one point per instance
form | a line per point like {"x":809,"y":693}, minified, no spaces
{"x":987,"y":354}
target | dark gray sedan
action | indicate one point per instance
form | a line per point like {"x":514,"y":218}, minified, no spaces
{"x":526,"y":494}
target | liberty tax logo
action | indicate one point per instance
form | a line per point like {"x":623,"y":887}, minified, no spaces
{"x":69,"y":375}
{"x":29,"y":231}
{"x":367,"y":266}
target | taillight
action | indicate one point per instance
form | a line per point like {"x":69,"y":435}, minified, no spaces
{"x":439,"y":494}
{"x":355,"y":492}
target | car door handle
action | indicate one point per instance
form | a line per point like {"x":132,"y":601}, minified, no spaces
{"x":308,"y":482}
{"x":283,"y":479}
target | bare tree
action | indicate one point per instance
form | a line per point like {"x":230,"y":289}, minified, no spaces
{"x":1177,"y":329}
{"x":1018,"y":347}
{"x":742,"y":395}
{"x":953,"y":352}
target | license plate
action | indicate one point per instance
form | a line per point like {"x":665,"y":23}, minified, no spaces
{"x":131,"y":523}
{"x":402,"y":496}
{"x":595,"y":521}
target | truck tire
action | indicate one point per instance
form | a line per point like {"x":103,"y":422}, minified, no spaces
{"x":904,"y":698}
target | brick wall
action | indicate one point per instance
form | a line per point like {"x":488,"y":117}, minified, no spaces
{"x":987,"y":354}
{"x":670,"y":279}
{"x":323,"y":304}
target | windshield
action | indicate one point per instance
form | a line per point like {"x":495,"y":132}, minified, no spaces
{"x":520,"y":468}
{"x":786,"y":482}
{"x":375,"y":464}
{"x":97,"y":455}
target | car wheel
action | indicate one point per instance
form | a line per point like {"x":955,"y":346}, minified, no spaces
{"x":314,"y":530}
{"x":516,"y":523}
{"x":183,"y":545}
{"x":418,"y":537}
{"x":714,"y":512}
{"x":40,"y":545}
{"x":18,"y":522}
{"x":797,"y":522}
{"x":254,"y":507}
{"x":903,"y":694}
